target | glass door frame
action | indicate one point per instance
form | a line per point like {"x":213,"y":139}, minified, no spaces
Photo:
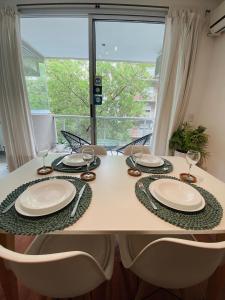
{"x":157,"y":16}
{"x":92,"y":18}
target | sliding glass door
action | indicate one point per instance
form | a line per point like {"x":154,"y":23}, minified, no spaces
{"x":56,"y":65}
{"x":128,"y":56}
{"x":95,"y":77}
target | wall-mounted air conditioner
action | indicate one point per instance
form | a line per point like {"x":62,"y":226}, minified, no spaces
{"x":217,"y":19}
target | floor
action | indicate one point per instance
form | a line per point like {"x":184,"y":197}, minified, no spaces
{"x":124,"y":285}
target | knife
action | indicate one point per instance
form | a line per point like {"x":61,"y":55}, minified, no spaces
{"x":58,"y":163}
{"x":8,"y":207}
{"x":77,"y":202}
{"x":131,"y":159}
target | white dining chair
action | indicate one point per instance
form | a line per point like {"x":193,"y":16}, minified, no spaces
{"x":98,"y":150}
{"x":63,"y":266}
{"x":136,"y":148}
{"x":169,"y":262}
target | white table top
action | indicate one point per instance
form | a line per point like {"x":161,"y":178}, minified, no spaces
{"x":114,"y":207}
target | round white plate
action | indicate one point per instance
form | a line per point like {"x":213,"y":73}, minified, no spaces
{"x":149,"y":160}
{"x":176,"y":194}
{"x":45,"y":197}
{"x":74,"y":160}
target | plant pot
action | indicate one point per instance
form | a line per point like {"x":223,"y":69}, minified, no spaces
{"x":179,"y":154}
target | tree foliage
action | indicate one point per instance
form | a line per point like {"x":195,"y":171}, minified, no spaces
{"x":125,"y":90}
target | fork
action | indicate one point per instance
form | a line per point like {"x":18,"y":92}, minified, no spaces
{"x":142,"y":188}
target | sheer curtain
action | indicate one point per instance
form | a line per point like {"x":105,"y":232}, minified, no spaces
{"x":182,"y":34}
{"x":14,"y":107}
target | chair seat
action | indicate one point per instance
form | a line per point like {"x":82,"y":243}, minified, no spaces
{"x":138,"y":242}
{"x":91,"y":244}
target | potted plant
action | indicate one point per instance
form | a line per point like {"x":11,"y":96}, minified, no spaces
{"x":186,"y":137}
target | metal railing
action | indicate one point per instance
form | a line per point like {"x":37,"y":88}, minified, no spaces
{"x":110,"y":130}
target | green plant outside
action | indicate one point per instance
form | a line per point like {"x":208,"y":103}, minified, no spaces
{"x":63,"y":88}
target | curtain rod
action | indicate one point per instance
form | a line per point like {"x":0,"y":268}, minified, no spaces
{"x":96,"y":5}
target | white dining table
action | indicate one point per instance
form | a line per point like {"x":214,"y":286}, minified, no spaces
{"x":114,"y":207}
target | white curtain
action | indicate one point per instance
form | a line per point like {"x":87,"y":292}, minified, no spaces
{"x":14,"y":107}
{"x":182,"y":34}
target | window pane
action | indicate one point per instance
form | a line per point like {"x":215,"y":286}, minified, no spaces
{"x":128,"y":58}
{"x":56,"y":66}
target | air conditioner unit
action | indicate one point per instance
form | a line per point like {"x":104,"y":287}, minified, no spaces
{"x":217,"y":19}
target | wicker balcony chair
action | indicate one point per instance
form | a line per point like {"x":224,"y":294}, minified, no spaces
{"x":140,"y":141}
{"x":74,"y":141}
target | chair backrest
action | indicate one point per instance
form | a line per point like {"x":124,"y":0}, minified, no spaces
{"x":136,"y":148}
{"x":176,"y":263}
{"x":98,"y":150}
{"x":58,"y":275}
{"x":140,"y":141}
{"x":74,"y":141}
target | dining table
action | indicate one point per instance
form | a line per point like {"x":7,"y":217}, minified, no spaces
{"x":114,"y":207}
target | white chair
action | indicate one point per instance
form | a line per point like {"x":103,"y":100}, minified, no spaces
{"x":63,"y":266}
{"x":137,"y":148}
{"x":171,"y":263}
{"x":98,"y":150}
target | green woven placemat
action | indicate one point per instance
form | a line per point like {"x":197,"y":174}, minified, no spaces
{"x":167,"y":167}
{"x":209,"y":217}
{"x":67,"y":169}
{"x":15,"y":223}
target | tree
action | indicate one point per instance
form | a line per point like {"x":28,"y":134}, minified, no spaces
{"x":37,"y":90}
{"x":124,"y":85}
{"x":125,"y":92}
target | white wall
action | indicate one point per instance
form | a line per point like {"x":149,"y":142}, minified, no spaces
{"x":210,"y":103}
{"x":200,"y":77}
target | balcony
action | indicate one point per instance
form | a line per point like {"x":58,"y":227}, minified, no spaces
{"x":110,"y":134}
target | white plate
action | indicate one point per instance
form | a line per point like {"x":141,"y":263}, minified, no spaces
{"x":177,"y":195}
{"x":45,"y":197}
{"x":74,"y":160}
{"x":149,"y":160}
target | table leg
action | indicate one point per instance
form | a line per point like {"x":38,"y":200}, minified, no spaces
{"x":7,"y":278}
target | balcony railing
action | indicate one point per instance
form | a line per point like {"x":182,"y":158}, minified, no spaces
{"x":117,"y":130}
{"x":111,"y":131}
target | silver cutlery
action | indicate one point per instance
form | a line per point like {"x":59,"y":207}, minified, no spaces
{"x":58,"y":163}
{"x":78,"y":201}
{"x":8,"y":207}
{"x":141,"y":186}
{"x":75,"y":168}
{"x":131,"y":159}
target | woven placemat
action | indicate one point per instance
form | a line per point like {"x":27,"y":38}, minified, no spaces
{"x":209,"y":217}
{"x":15,"y":223}
{"x":67,"y":169}
{"x":167,"y":167}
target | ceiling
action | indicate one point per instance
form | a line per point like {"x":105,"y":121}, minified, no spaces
{"x":67,"y":37}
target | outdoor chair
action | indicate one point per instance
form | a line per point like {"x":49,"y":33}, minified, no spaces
{"x":74,"y":141}
{"x":140,"y":141}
